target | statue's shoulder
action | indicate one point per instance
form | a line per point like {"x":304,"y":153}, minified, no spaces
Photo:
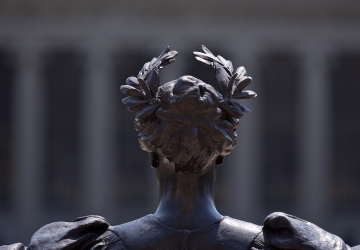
{"x":231,"y":224}
{"x":242,"y":234}
{"x":145,"y":233}
{"x":134,"y":227}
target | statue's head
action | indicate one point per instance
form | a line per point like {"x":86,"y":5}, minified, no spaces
{"x":186,"y":121}
{"x":189,"y":128}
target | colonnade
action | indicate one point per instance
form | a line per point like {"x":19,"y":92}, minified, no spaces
{"x":97,"y":126}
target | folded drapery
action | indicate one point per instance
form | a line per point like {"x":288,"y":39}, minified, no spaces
{"x":88,"y":232}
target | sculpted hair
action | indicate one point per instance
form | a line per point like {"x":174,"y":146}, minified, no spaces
{"x":186,"y":120}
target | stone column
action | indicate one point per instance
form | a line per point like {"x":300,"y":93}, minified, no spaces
{"x":314,"y":136}
{"x":97,"y":152}
{"x":245,"y":160}
{"x":28,"y":142}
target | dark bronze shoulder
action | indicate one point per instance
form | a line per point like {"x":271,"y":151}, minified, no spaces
{"x":241,"y":234}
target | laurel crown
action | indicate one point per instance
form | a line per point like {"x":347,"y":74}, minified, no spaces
{"x":144,"y":91}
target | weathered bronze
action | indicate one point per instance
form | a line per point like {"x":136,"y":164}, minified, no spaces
{"x":187,"y":127}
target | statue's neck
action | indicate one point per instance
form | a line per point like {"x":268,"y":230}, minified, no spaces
{"x":186,"y":201}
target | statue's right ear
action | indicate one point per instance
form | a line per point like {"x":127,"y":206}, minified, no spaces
{"x":154,"y":157}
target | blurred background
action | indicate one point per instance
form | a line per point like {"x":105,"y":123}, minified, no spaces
{"x":68,"y":147}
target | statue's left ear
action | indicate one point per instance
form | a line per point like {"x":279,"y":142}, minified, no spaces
{"x":219,"y":160}
{"x":154,"y":157}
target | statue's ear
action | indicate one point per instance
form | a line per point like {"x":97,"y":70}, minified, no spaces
{"x":154,"y":157}
{"x":219,"y":160}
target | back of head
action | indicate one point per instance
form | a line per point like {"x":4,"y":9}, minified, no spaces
{"x":186,"y":120}
{"x":189,"y":128}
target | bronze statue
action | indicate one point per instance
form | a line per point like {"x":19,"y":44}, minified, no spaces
{"x":187,"y":127}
